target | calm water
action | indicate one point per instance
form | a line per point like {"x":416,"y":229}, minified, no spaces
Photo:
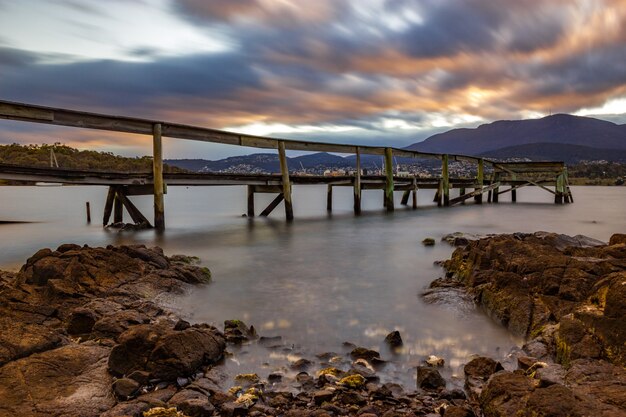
{"x":322,"y":280}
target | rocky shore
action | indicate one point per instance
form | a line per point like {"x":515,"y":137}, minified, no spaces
{"x":567,"y":297}
{"x":84,"y":332}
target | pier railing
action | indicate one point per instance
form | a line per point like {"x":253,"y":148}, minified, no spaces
{"x":514,"y":175}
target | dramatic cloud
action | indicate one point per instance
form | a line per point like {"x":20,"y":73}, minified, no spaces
{"x":367,"y":70}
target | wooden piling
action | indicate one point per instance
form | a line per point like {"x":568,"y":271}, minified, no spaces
{"x":357,"y":183}
{"x":88,"y":208}
{"x":405,"y":198}
{"x":480,"y":179}
{"x":559,"y":189}
{"x":445,"y":180}
{"x":250,"y":200}
{"x":496,"y":191}
{"x":389,"y":181}
{"x":414,"y":193}
{"x":118,"y":208}
{"x":108,"y":206}
{"x":157,"y":175}
{"x":284,"y":169}
{"x":462,"y":193}
{"x":329,"y":198}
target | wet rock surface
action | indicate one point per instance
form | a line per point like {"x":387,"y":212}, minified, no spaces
{"x":566,"y":296}
{"x":81,"y":333}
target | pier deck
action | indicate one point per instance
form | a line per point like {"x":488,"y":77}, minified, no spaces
{"x":490,"y":175}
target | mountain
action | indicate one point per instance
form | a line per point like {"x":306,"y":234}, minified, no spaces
{"x":556,"y":129}
{"x":570,"y":154}
{"x":262,"y":161}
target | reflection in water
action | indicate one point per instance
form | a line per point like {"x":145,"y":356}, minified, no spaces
{"x":322,"y":280}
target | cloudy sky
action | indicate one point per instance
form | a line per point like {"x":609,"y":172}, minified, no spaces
{"x":365,"y":71}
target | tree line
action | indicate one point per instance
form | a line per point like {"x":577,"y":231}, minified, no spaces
{"x":71,"y":158}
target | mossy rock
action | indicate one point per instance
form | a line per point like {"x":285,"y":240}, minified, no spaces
{"x":163,"y":412}
{"x":429,"y":241}
{"x":336,"y":372}
{"x":353,"y":381}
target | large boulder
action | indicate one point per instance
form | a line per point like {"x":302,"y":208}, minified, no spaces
{"x":164,"y":352}
{"x":68,"y":381}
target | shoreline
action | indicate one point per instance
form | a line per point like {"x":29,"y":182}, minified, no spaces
{"x":172,"y":376}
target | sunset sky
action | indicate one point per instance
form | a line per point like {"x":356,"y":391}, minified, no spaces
{"x":366,"y":71}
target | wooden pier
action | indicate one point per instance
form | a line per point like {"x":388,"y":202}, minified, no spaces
{"x":503,"y":177}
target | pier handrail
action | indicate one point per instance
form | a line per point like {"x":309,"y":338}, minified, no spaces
{"x":124,"y":124}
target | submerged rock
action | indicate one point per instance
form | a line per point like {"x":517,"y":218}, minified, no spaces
{"x":394,"y":340}
{"x":429,"y":241}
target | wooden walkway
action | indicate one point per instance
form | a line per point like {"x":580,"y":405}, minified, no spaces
{"x":492,"y":178}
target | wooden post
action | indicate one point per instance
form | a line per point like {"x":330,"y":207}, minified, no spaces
{"x":284,"y":169}
{"x":329,"y":198}
{"x":357,"y":183}
{"x":461,"y":193}
{"x":389,"y":182}
{"x":437,"y":198}
{"x":157,"y":177}
{"x":445,"y":180}
{"x":118,"y":207}
{"x":405,"y":198}
{"x":250,"y":200}
{"x":108,"y":206}
{"x":88,"y":208}
{"x":480,"y":179}
{"x":414,"y":193}
{"x":560,"y":189}
{"x":496,"y":191}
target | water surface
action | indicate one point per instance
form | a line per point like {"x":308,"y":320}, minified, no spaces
{"x":322,"y":280}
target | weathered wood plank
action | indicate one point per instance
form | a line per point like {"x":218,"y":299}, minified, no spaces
{"x":357,"y":183}
{"x":108,"y":206}
{"x":284,"y":170}
{"x":474,"y":193}
{"x":445,"y":180}
{"x":157,"y":177}
{"x":251,"y":200}
{"x":389,"y":183}
{"x":272,"y":205}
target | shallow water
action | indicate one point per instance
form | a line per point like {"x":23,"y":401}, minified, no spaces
{"x":321,"y":280}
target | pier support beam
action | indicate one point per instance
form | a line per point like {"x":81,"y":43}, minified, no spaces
{"x":414,"y":193}
{"x":157,"y":174}
{"x":445,"y":180}
{"x":284,"y":169}
{"x":357,"y":183}
{"x":329,"y":198}
{"x":108,"y":206}
{"x":559,"y":189}
{"x":496,"y":191}
{"x":389,"y":182}
{"x":118,"y":208}
{"x":480,"y":179}
{"x":250,"y":200}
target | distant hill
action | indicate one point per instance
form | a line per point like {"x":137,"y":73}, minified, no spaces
{"x":72,"y":158}
{"x":556,"y":129}
{"x":262,"y":161}
{"x":570,"y":154}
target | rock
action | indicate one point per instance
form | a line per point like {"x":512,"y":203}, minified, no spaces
{"x":454,"y":411}
{"x":550,"y":375}
{"x":301,"y":364}
{"x":163,"y":412}
{"x":555,"y":400}
{"x":364,"y":353}
{"x":429,"y":378}
{"x":459,"y":238}
{"x":165,"y":353}
{"x":124,"y":388}
{"x":481,"y":368}
{"x":352,"y":381}
{"x":617,"y":239}
{"x":505,"y":394}
{"x":236,"y":331}
{"x":182,"y":325}
{"x":247,"y":379}
{"x":435,"y":361}
{"x":70,"y":380}
{"x":394,"y":340}
{"x":81,"y":321}
{"x":192,"y":403}
{"x":429,"y":241}
{"x":322,"y":396}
